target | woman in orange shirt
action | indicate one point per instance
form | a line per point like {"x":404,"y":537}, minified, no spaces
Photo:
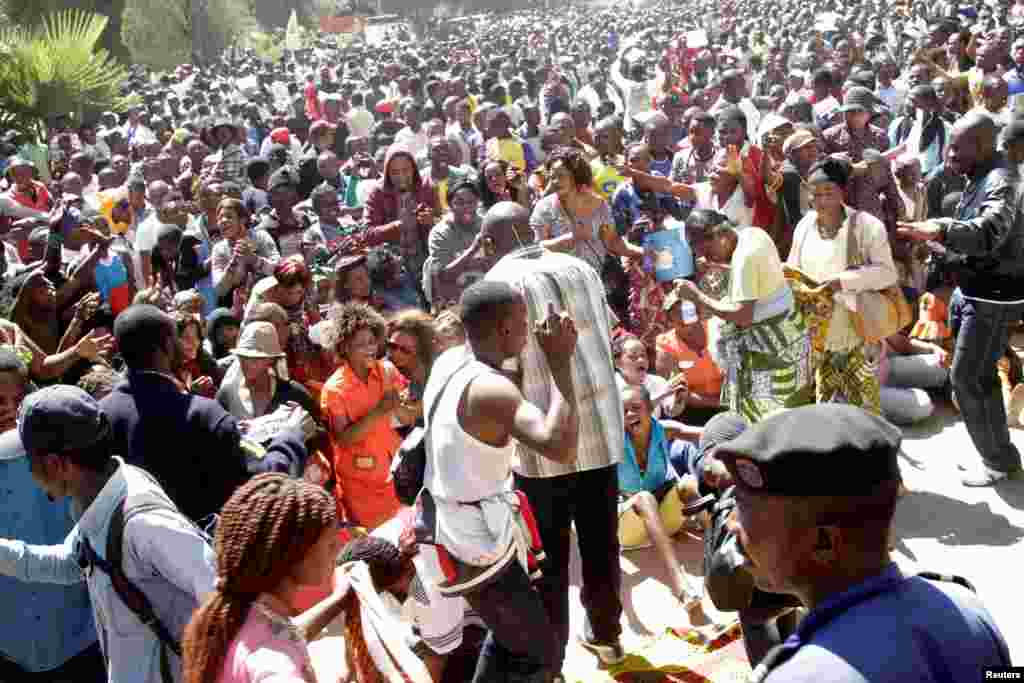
{"x":684,"y":348}
{"x":360,"y":405}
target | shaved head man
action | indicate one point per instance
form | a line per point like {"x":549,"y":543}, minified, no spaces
{"x":985,"y":242}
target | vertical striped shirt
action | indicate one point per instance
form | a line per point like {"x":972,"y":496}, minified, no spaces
{"x":570,"y":284}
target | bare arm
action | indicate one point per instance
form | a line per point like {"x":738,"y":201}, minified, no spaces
{"x":348,"y":433}
{"x":314,"y":620}
{"x":619,"y":247}
{"x":554,"y":435}
{"x":740,"y":313}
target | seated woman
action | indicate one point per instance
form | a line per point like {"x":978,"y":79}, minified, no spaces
{"x":575,"y":219}
{"x":764,"y":344}
{"x":197,"y":370}
{"x":242,"y":254}
{"x":631,"y":361}
{"x":353,"y":282}
{"x":291,"y":287}
{"x":361,"y":406}
{"x":23,"y":297}
{"x":256,"y":390}
{"x":222,"y":335}
{"x":455,"y":248}
{"x":276,"y":536}
{"x":653,"y":498}
{"x":685,"y":347}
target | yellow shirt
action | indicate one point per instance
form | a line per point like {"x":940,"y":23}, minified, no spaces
{"x":442,"y":194}
{"x":606,"y":178}
{"x":756,"y":269}
{"x":508,"y":150}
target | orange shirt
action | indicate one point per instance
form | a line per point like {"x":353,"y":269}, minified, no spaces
{"x":362,"y":468}
{"x":704,"y":378}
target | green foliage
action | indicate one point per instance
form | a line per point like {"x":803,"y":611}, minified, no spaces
{"x":56,"y":68}
{"x":31,"y":14}
{"x":164,"y":33}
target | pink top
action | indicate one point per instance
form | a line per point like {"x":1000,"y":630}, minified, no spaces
{"x":267,"y":650}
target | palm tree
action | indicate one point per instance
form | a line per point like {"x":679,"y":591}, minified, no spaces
{"x":56,"y":68}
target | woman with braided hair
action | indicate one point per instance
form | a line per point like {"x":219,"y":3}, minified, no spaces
{"x":275,"y":536}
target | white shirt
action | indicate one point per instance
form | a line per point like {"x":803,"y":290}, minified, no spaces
{"x":735,"y":208}
{"x":416,"y":142}
{"x":360,"y":122}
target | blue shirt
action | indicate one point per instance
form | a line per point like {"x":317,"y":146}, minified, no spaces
{"x":919,"y":630}
{"x":165,"y":556}
{"x":45,"y":625}
{"x":657,"y":471}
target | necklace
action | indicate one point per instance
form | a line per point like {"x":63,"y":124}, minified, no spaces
{"x":829,"y":232}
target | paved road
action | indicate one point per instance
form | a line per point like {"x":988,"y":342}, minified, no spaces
{"x":942,"y":526}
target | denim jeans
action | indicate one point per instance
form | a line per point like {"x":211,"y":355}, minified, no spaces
{"x":590,"y":499}
{"x":520,"y":644}
{"x":981,"y":330}
{"x":88,"y":666}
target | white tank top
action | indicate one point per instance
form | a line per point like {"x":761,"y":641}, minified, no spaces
{"x":460,"y":467}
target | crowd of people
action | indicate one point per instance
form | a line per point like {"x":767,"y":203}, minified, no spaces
{"x":615,"y":260}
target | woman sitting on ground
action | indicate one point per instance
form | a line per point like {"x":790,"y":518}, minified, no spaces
{"x":653,"y":497}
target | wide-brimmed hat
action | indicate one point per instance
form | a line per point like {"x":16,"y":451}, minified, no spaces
{"x":859,"y":98}
{"x":258,"y":340}
{"x":797,"y":140}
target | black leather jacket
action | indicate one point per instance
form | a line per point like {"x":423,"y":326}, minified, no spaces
{"x":988,"y":233}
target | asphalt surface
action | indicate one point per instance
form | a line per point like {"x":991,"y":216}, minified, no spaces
{"x":941,"y":526}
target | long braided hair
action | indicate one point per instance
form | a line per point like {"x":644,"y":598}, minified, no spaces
{"x":266,"y":528}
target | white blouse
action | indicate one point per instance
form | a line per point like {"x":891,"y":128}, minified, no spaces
{"x":823,"y":259}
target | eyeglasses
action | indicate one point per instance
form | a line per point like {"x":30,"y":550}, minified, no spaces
{"x":392,"y":346}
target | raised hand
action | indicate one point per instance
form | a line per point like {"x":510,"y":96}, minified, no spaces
{"x":93,"y":345}
{"x":557,"y":336}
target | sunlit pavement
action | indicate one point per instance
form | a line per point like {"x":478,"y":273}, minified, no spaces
{"x":941,"y":525}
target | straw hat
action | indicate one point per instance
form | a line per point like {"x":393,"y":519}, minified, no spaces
{"x":258,"y":340}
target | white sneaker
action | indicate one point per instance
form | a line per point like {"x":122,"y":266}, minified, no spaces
{"x":982,"y":475}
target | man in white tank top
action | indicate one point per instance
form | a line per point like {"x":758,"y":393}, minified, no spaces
{"x":583,"y":492}
{"x":480,"y":525}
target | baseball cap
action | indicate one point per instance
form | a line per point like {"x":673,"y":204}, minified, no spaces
{"x":60,"y":418}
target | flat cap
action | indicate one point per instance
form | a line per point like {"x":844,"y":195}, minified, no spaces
{"x":827,"y":449}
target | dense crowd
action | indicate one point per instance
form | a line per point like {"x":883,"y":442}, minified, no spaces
{"x":616,"y":267}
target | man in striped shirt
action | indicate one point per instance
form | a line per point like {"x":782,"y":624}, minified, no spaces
{"x":583,"y":491}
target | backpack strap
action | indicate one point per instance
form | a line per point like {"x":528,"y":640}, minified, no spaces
{"x":131,"y":595}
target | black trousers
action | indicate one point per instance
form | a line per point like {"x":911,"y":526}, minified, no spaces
{"x":590,"y":500}
{"x":88,"y":666}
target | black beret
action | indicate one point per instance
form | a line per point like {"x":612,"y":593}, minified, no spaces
{"x":827,"y":449}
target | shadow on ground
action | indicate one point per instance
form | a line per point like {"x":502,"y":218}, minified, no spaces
{"x":926,"y":514}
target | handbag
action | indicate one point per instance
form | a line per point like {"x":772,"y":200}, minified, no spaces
{"x":408,"y":468}
{"x":878,"y":314}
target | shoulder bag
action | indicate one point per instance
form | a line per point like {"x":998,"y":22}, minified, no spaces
{"x":878,"y":314}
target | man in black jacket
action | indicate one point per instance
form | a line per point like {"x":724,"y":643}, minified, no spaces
{"x":189,"y":443}
{"x":987,"y":234}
